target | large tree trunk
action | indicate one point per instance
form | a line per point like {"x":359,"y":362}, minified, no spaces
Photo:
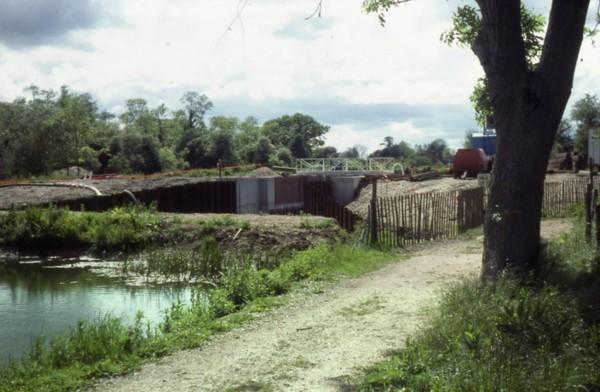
{"x":528,"y":106}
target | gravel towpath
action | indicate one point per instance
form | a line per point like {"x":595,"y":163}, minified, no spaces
{"x":316,"y":340}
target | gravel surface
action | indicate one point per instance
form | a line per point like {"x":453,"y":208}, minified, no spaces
{"x":314,"y":342}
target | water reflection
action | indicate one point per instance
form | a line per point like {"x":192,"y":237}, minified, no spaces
{"x":48,"y":301}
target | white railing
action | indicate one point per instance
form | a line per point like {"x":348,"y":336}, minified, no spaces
{"x":304,"y":165}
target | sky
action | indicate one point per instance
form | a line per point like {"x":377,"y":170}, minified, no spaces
{"x":261,"y":58}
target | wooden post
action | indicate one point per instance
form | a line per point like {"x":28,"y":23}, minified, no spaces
{"x":374,"y":212}
{"x":588,"y":212}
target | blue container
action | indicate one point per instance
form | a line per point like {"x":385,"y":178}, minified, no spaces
{"x":486,"y":142}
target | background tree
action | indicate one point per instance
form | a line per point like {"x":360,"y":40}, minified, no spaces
{"x":298,"y":147}
{"x":195,"y":107}
{"x":563,"y":142}
{"x":350,"y":152}
{"x":263,"y":151}
{"x":285,"y":130}
{"x":325,"y":152}
{"x":586,"y":115}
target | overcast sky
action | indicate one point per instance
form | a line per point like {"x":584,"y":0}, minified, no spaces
{"x":363,"y":80}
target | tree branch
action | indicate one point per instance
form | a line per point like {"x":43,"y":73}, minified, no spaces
{"x":562,"y":45}
{"x":317,"y":10}
{"x":500,"y":49}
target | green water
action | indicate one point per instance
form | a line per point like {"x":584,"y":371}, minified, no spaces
{"x":50,"y":300}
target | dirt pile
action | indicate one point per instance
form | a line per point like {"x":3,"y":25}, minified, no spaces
{"x":360,"y":206}
{"x":262,"y":172}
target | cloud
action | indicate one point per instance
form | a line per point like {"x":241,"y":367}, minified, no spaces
{"x":27,"y":23}
{"x":337,"y":110}
{"x":299,"y":28}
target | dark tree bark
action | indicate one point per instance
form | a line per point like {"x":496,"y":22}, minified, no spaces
{"x":528,"y":106}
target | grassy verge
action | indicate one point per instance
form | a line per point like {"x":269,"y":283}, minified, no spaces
{"x":120,"y":229}
{"x":108,"y":347}
{"x":541,"y":335}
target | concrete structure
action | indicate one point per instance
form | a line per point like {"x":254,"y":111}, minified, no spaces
{"x":256,"y":195}
{"x":344,"y":188}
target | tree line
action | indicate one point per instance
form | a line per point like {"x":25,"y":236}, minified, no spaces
{"x":50,"y":130}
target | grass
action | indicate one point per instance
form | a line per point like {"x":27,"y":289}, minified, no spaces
{"x":120,"y":229}
{"x":311,"y":222}
{"x":540,"y":334}
{"x":109,"y":347}
{"x":210,"y":226}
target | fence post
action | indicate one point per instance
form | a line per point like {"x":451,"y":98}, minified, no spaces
{"x":373,"y":222}
{"x":588,"y":212}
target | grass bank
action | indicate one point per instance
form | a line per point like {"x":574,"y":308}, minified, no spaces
{"x":120,"y":229}
{"x":514,"y":335}
{"x":109,"y":347}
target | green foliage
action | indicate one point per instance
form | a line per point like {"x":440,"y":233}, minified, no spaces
{"x":222,"y":140}
{"x":466,"y":24}
{"x":586,"y":115}
{"x":91,"y":349}
{"x":134,"y":153}
{"x":285,"y":130}
{"x":52,"y":228}
{"x":263,"y":150}
{"x":196,"y":105}
{"x":421,"y":156}
{"x":482,"y":102}
{"x":281,"y":157}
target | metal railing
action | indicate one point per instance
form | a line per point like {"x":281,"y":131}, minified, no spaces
{"x":305,"y":165}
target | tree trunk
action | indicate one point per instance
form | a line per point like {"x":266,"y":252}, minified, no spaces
{"x":512,"y":222}
{"x":528,"y":106}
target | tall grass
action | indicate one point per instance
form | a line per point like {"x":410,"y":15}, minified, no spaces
{"x":537,"y":334}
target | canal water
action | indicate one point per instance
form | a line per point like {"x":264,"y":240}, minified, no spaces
{"x":48,"y":301}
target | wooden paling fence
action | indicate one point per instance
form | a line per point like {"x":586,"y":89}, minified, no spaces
{"x":318,"y":200}
{"x":561,"y":197}
{"x":415,"y":218}
{"x":419,"y":217}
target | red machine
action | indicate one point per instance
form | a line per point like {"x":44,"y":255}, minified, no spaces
{"x":470,"y":162}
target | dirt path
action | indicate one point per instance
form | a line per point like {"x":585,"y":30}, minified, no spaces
{"x":316,"y":340}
